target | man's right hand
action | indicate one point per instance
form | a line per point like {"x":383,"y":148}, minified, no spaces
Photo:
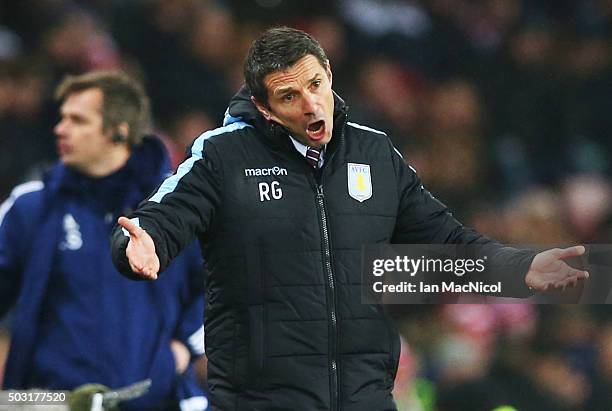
{"x":140,"y":251}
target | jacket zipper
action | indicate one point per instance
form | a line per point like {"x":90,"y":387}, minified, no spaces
{"x":331,"y":288}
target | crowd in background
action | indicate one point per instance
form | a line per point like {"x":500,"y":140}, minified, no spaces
{"x":500,"y":105}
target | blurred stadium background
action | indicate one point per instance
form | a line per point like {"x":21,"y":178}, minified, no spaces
{"x":501,"y":106}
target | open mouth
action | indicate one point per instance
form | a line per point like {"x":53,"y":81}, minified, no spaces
{"x":316,"y":130}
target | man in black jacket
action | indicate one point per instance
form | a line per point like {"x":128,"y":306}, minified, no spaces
{"x":283,"y":196}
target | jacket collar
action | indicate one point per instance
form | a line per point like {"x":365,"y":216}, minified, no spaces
{"x":146,"y":167}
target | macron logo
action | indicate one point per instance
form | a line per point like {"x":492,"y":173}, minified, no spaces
{"x":272,"y":171}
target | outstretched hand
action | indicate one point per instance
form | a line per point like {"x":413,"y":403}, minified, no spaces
{"x":548,"y":271}
{"x":140,"y":250}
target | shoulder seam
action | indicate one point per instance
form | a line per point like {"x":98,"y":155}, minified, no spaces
{"x":197,"y":147}
{"x":359,"y":126}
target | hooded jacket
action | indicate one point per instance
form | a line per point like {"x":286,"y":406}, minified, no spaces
{"x":285,"y":326}
{"x":75,"y":319}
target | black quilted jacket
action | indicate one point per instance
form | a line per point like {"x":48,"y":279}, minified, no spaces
{"x":285,"y":326}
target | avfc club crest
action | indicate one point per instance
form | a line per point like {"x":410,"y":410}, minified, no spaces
{"x":359,"y":181}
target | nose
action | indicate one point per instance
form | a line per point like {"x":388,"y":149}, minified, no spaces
{"x":59,"y":128}
{"x":309,"y":104}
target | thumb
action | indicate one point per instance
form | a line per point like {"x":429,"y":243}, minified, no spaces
{"x":574,"y":251}
{"x":129,"y":226}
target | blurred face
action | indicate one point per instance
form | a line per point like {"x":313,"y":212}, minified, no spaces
{"x":81,"y":141}
{"x":301,"y":99}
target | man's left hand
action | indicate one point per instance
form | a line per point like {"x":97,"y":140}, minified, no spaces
{"x":181,"y":356}
{"x":548,"y":271}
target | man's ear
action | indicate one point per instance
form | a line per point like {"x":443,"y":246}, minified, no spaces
{"x":261,"y":108}
{"x":121,"y":133}
{"x":124,"y":129}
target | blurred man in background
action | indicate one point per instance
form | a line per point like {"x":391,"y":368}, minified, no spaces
{"x":76,"y":320}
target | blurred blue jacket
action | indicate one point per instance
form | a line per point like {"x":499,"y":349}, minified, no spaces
{"x":76,"y":320}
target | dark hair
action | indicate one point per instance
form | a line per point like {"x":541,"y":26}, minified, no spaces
{"x":277,"y":49}
{"x":124,"y":100}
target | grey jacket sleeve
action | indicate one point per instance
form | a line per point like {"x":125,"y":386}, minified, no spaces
{"x":182,"y":208}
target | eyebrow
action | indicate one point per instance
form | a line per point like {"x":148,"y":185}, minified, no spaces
{"x":70,"y":114}
{"x":284,"y":90}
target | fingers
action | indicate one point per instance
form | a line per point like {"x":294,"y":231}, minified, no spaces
{"x":150,"y":275}
{"x":572,"y":279}
{"x":582,"y":274}
{"x":574,"y":276}
{"x":144,"y":272}
{"x":131,"y":228}
{"x":143,"y":266}
{"x":574,"y":251}
{"x":181,"y":355}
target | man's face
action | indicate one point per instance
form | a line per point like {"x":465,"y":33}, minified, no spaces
{"x":81,"y":141}
{"x":301,"y":99}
